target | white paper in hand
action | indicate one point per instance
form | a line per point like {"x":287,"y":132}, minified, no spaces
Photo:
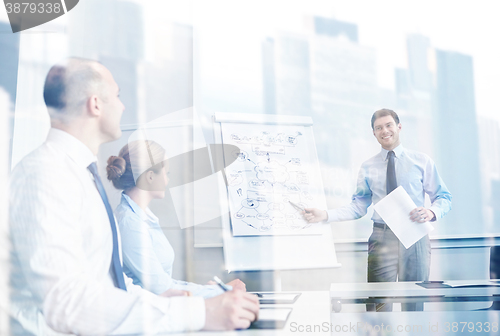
{"x":395,"y":210}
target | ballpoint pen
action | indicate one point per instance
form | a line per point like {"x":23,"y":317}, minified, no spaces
{"x":298,"y":207}
{"x":222,"y":285}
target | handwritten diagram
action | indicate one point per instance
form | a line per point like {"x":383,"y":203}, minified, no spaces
{"x":273,"y":167}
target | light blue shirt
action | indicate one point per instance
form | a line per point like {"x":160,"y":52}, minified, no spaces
{"x":415,"y":172}
{"x":147,"y":254}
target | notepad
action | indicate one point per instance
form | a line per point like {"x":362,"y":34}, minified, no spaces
{"x":277,"y":298}
{"x":440,"y":284}
{"x":476,"y":286}
{"x":271,"y":318}
{"x":433,"y":285}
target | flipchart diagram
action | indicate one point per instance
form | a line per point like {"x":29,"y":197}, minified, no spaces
{"x":272,"y":170}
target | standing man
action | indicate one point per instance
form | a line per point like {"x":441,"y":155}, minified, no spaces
{"x":66,"y":269}
{"x":388,"y":259}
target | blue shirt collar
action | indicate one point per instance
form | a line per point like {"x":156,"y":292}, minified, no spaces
{"x":398,"y":151}
{"x":144,"y":215}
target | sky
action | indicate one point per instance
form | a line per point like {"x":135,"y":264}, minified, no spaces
{"x":231,"y":33}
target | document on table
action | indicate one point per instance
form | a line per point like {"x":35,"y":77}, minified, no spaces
{"x":395,"y":210}
{"x":274,"y":314}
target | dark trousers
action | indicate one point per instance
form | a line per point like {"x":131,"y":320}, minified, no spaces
{"x":495,"y":270}
{"x":390,"y":261}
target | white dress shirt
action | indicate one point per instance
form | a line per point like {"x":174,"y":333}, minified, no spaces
{"x":61,"y":254}
{"x":415,"y":172}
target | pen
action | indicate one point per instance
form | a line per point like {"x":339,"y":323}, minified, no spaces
{"x":298,"y":207}
{"x":221,"y":284}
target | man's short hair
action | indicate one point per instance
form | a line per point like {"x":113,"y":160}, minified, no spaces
{"x":385,"y":112}
{"x":69,"y":85}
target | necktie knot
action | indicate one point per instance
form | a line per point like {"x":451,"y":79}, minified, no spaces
{"x":391,"y":154}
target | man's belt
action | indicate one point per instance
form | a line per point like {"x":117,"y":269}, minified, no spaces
{"x":380,"y":225}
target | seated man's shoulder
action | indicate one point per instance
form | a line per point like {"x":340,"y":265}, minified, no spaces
{"x":43,"y":165}
{"x":39,"y":158}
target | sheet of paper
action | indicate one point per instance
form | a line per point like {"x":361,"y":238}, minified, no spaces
{"x":274,"y":314}
{"x":275,"y":164}
{"x":395,"y":210}
{"x":288,"y":297}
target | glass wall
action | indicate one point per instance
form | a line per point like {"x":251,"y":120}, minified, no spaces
{"x":434,"y":63}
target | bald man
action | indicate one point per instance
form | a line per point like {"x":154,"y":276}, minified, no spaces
{"x":66,"y":267}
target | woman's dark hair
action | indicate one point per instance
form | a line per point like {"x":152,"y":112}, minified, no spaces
{"x":136,"y":158}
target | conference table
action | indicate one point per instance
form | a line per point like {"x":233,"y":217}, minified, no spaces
{"x":411,"y":292}
{"x":312,"y":315}
{"x":310,"y":308}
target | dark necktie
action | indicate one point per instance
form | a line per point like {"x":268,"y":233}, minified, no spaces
{"x":391,"y":182}
{"x":115,"y":259}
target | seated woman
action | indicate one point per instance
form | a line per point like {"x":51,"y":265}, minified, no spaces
{"x":141,"y":170}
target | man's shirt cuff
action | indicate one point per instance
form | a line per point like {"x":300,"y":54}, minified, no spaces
{"x":331,"y":216}
{"x":437,"y":212}
{"x":187,"y":313}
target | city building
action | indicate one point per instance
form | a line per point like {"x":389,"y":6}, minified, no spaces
{"x":457,"y":138}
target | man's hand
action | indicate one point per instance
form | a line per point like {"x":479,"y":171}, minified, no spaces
{"x":237,"y":284}
{"x":232,"y":310}
{"x":422,"y":215}
{"x":175,"y":292}
{"x":313,"y":215}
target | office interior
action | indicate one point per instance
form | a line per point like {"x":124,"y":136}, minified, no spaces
{"x":326,"y":60}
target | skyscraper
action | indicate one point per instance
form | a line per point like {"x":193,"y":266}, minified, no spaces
{"x":114,"y":36}
{"x":415,"y":94}
{"x":344,"y":91}
{"x":489,"y":148}
{"x":9,"y":60}
{"x":419,"y":50}
{"x":458,"y":150}
{"x":293,"y":74}
{"x":269,"y":76}
{"x":324,"y":73}
{"x":403,"y":86}
{"x":335,"y":28}
{"x":168,"y":80}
